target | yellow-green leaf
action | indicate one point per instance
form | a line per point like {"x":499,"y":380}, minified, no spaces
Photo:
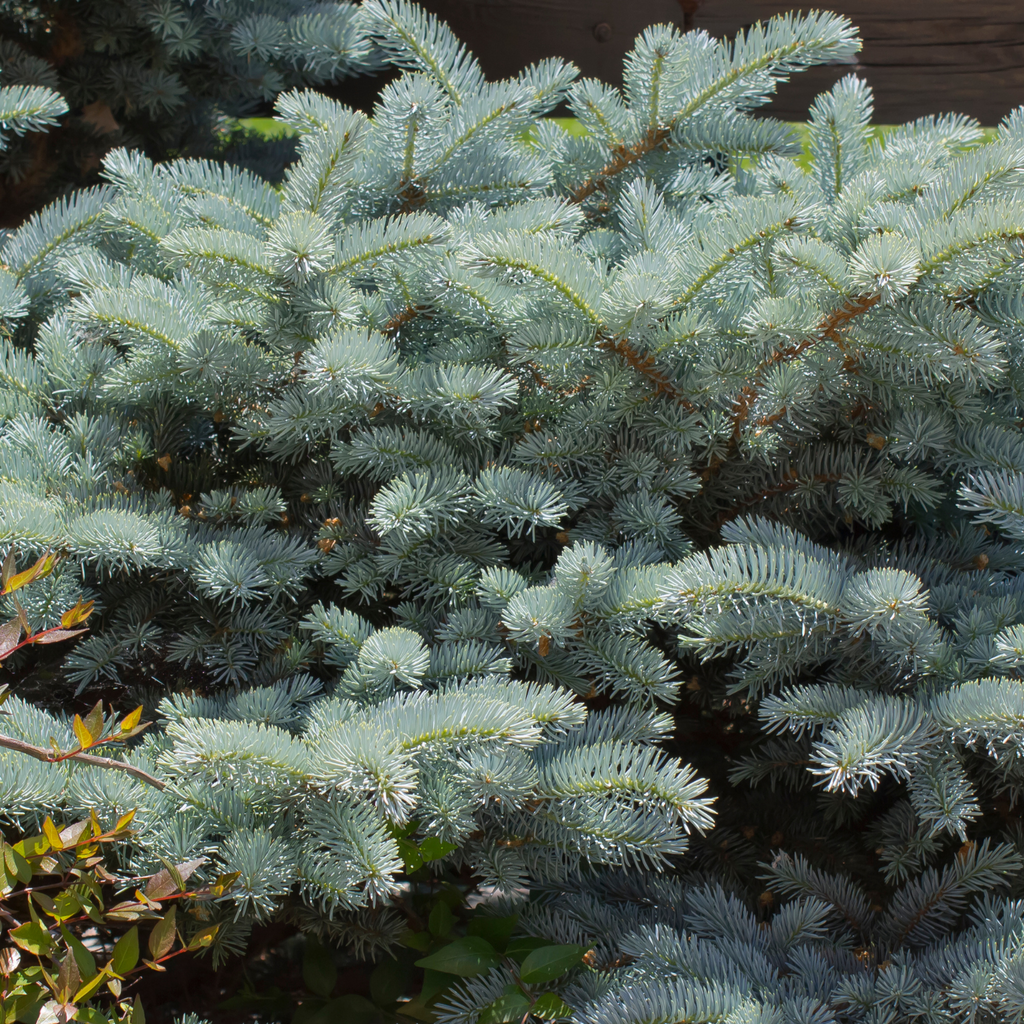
{"x":17,"y":865}
{"x":203,"y":938}
{"x":9,"y":567}
{"x":42,"y":567}
{"x":79,"y":613}
{"x":223,"y":883}
{"x":126,"y":952}
{"x":66,"y":905}
{"x":32,"y":937}
{"x":82,"y":733}
{"x":130,"y":721}
{"x":94,"y":721}
{"x":89,"y":987}
{"x":51,"y":833}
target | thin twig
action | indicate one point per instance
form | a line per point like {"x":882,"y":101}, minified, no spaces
{"x":646,"y":366}
{"x":42,"y":754}
{"x":624,"y":156}
{"x":829,"y":328}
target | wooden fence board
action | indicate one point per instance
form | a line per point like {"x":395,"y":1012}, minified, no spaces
{"x":920,"y":56}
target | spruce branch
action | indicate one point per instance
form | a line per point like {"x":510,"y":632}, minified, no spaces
{"x":830,"y":328}
{"x":623,"y":157}
{"x":645,"y":365}
{"x":765,"y":51}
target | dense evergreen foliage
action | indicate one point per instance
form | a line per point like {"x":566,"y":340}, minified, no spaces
{"x":628,"y":526}
{"x":167,"y":76}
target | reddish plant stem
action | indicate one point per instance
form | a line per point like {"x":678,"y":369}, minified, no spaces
{"x":42,"y":754}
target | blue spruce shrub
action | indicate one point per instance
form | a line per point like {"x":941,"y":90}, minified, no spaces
{"x":491,"y":499}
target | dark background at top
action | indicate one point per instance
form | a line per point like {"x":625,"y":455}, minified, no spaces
{"x":920,"y":56}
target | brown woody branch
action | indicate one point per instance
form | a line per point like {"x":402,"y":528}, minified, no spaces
{"x":645,"y":365}
{"x":625,"y":156}
{"x":48,"y":756}
{"x":403,"y":316}
{"x":830,"y":328}
{"x":790,"y":484}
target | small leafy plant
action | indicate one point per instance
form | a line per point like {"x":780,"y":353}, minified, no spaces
{"x":452,"y":941}
{"x":72,"y":950}
{"x":55,"y":892}
{"x":11,"y":632}
{"x":94,"y":730}
{"x":531,"y":964}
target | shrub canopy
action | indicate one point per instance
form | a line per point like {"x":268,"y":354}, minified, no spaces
{"x":416,"y":493}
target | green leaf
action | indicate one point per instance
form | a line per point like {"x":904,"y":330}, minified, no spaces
{"x":410,"y":854}
{"x":16,"y":865}
{"x":86,"y":961}
{"x":349,"y":1009}
{"x":403,"y":831}
{"x":433,"y":848}
{"x":416,"y":940}
{"x":441,"y":920}
{"x":465,"y":957}
{"x":522,"y":946}
{"x":46,"y":903}
{"x":550,"y":962}
{"x":90,"y":1015}
{"x":389,"y":979}
{"x":126,"y":952}
{"x":434,"y":983}
{"x":511,"y":1007}
{"x":307,"y":1010}
{"x":496,"y":930}
{"x":415,"y":1009}
{"x":32,"y":937}
{"x":319,"y":971}
{"x":549,"y":1007}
